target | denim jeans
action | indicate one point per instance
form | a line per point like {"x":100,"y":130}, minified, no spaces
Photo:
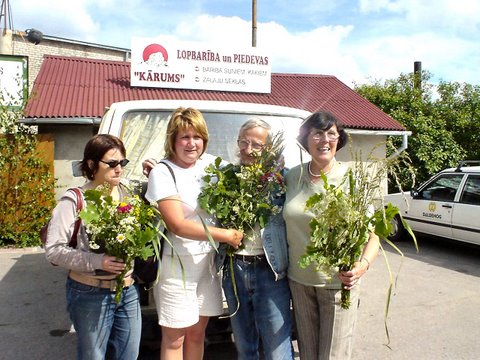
{"x":100,"y":323}
{"x":264,"y":312}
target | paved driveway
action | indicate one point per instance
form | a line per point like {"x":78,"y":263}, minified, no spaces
{"x":433,"y":314}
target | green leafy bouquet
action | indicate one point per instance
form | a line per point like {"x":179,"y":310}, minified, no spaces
{"x":241,"y":196}
{"x":344,"y":216}
{"x":126,"y":229}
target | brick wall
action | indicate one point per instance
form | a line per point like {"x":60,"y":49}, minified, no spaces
{"x":68,"y":139}
{"x":55,"y":46}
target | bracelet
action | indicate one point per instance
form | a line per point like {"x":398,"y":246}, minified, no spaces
{"x":368,"y":262}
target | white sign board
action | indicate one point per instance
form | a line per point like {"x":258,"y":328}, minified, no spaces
{"x":189,"y":65}
{"x":13,"y":80}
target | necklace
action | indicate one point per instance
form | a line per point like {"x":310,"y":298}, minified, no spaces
{"x":325,"y":173}
{"x":310,"y":171}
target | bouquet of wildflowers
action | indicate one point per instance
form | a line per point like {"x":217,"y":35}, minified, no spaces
{"x":344,"y":216}
{"x":241,"y":196}
{"x":126,"y":229}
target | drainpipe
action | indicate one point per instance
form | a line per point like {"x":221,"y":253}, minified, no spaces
{"x":402,"y":148}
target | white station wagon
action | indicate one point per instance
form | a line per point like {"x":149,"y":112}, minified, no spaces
{"x":447,"y":205}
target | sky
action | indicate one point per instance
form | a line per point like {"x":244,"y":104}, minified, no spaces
{"x":357,"y":41}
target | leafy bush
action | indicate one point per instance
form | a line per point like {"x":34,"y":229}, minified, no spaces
{"x":26,"y":183}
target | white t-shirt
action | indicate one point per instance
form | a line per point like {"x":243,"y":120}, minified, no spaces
{"x":189,"y":183}
{"x":252,"y":242}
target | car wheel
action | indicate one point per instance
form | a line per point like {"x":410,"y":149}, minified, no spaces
{"x":398,"y":231}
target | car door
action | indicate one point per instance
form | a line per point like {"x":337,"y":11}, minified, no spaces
{"x":432,"y":206}
{"x":466,"y":214}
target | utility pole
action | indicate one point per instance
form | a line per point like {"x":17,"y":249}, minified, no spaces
{"x":254,"y":23}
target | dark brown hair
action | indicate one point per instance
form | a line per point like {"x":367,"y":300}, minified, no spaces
{"x":321,"y":120}
{"x":95,"y":149}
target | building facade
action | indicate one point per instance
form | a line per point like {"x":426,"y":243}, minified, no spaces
{"x":72,"y":83}
{"x":17,"y":43}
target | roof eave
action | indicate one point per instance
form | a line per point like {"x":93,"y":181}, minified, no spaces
{"x":66,"y":121}
{"x":378,"y":132}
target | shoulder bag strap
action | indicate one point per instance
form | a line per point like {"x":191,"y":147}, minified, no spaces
{"x":171,"y":172}
{"x":73,"y":239}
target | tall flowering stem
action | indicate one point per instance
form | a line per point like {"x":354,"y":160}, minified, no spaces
{"x":345,"y":214}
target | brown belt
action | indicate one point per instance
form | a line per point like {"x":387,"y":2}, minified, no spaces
{"x":100,"y":283}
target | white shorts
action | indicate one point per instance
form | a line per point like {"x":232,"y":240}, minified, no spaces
{"x":180,"y":301}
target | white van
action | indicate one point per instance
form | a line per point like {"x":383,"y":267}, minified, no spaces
{"x":142,"y":124}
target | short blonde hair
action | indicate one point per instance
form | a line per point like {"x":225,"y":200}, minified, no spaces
{"x":182,"y":119}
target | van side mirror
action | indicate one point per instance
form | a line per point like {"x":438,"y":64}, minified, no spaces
{"x":415,"y":194}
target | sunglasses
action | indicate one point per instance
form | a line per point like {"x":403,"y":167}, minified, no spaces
{"x":114,"y":163}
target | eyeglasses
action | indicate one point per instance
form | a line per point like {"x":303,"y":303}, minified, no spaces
{"x":243,"y":144}
{"x":320,"y":135}
{"x":114,"y":163}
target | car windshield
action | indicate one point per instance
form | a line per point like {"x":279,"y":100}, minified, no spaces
{"x":143,"y":133}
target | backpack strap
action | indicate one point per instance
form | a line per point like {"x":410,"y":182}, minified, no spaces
{"x":73,"y":240}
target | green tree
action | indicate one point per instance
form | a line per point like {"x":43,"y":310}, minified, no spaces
{"x":459,"y":106}
{"x":433,"y":145}
{"x":26,"y":183}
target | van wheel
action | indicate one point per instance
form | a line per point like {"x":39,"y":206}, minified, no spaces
{"x":398,"y":232}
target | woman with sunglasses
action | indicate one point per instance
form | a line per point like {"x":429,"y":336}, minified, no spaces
{"x":325,"y":330}
{"x":102,"y":326}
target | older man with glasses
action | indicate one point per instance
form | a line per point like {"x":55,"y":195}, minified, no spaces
{"x":258,"y":296}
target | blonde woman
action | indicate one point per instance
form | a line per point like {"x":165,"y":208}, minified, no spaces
{"x":184,"y":305}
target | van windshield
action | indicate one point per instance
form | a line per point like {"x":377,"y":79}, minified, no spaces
{"x":143,"y":133}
